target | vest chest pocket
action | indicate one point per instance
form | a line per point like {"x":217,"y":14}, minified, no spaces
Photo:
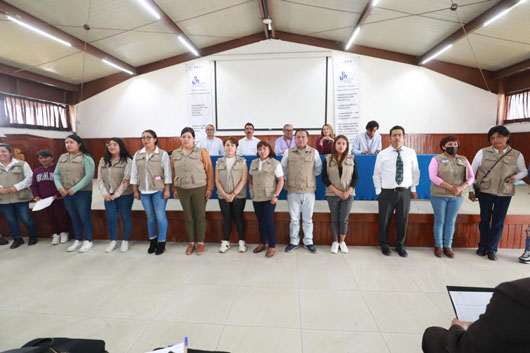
{"x":308,"y":157}
{"x":17,"y":170}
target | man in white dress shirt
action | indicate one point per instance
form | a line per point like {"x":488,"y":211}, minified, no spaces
{"x":396,"y":175}
{"x":214,"y":145}
{"x":368,"y":142}
{"x":248,"y":145}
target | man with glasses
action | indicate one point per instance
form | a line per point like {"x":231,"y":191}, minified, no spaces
{"x":214,"y":145}
{"x":283,"y":143}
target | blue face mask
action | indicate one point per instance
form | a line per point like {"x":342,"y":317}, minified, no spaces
{"x":451,"y":150}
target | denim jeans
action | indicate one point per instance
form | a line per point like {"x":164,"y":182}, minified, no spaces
{"x":15,"y":212}
{"x":265,"y":215}
{"x":493,"y":210}
{"x":445,"y":212}
{"x":123,"y":205}
{"x":527,"y":246}
{"x":305,"y":204}
{"x":155,"y":209}
{"x":78,"y":207}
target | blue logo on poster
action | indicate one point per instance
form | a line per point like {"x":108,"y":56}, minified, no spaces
{"x":195,"y":80}
{"x":343,"y":76}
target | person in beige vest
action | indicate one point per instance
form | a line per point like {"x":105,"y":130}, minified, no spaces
{"x":339,"y":175}
{"x":450,"y":174}
{"x":265,"y":184}
{"x":151,"y":178}
{"x":15,"y":194}
{"x":73,"y":179}
{"x":496,"y":168}
{"x":193,"y":185}
{"x":231,"y":181}
{"x":301,"y":165}
{"x":114,"y":176}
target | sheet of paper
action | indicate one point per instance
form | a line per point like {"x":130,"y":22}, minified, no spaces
{"x":43,"y":203}
{"x":178,"y":348}
{"x":469,"y":305}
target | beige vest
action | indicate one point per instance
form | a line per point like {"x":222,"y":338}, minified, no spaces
{"x":300,"y":170}
{"x":189,"y":169}
{"x":236,"y":175}
{"x":264,"y":181}
{"x":452,"y":171}
{"x":9,"y":178}
{"x":113,"y":176}
{"x":155,"y":170}
{"x":340,"y":182}
{"x":72,"y":170}
{"x":495,"y":183}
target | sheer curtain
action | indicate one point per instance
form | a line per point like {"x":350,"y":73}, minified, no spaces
{"x":518,"y":106}
{"x":30,"y":113}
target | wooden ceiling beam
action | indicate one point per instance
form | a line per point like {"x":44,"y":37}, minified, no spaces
{"x":512,"y":70}
{"x":21,"y":73}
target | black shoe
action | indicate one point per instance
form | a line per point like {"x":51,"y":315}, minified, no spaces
{"x":402,"y":252}
{"x":32,"y":241}
{"x":16,"y":243}
{"x":291,"y":247}
{"x":311,"y":248}
{"x":481,"y":252}
{"x":492,"y":255}
{"x":152,"y":246}
{"x":3,"y":241}
{"x":160,"y":247}
{"x":386,"y":251}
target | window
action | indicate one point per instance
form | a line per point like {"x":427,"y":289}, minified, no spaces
{"x":34,"y":114}
{"x":517,"y":107}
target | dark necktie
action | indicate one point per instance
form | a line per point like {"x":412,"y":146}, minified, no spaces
{"x":399,"y":168}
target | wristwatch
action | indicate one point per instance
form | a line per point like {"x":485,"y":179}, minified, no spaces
{"x":274,"y":196}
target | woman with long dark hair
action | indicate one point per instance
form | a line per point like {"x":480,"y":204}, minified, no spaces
{"x":73,"y":178}
{"x":339,"y":174}
{"x":114,"y":174}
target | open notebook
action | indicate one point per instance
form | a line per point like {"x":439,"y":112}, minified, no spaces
{"x":469,"y":302}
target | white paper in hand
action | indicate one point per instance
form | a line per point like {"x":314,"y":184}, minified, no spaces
{"x":43,"y":203}
{"x":469,"y":302}
{"x":178,"y":348}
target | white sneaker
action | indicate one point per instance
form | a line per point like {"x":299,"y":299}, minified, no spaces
{"x":242,"y":246}
{"x":64,"y":237}
{"x":87,"y":245}
{"x":334,"y":247}
{"x":56,"y":239}
{"x":111,"y":247}
{"x":76,"y":245}
{"x":225,"y":245}
{"x":124,"y":246}
{"x":343,"y":247}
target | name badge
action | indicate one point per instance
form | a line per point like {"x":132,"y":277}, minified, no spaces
{"x":445,"y":161}
{"x":158,"y":177}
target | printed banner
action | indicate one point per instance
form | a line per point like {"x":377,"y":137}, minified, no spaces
{"x":200,"y":103}
{"x":346,"y":84}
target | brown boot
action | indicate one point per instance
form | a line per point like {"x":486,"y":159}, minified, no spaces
{"x":259,"y":248}
{"x":449,"y":252}
{"x":270,"y":252}
{"x":437,"y":251}
{"x":200,"y":248}
{"x":190,"y":248}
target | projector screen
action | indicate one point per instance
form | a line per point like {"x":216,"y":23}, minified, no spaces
{"x":271,"y":92}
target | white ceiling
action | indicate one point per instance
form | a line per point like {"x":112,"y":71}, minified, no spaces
{"x":123,"y":29}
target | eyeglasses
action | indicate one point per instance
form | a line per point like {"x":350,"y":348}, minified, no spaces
{"x":288,"y":130}
{"x":210,"y":129}
{"x":147,"y":137}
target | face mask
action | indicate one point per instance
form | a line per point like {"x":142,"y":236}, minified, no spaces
{"x":451,"y":150}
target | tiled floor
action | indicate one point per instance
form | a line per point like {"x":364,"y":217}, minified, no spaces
{"x":298,"y":302}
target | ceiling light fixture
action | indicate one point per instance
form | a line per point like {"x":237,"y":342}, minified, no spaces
{"x":375,"y":2}
{"x":502,"y":13}
{"x":110,"y":63}
{"x":352,"y":38}
{"x":447,"y":47}
{"x":268,"y":22}
{"x":188,"y":45}
{"x":39,"y":31}
{"x":150,"y":9}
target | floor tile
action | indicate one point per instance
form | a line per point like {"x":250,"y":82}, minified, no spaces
{"x":379,"y":277}
{"x":315,"y":341}
{"x":403,"y":343}
{"x":240,"y":339}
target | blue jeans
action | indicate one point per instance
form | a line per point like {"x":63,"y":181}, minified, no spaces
{"x":493,"y":210}
{"x":78,"y":207}
{"x":155,"y":209}
{"x":527,"y":247}
{"x":15,"y":212}
{"x":445,"y":212}
{"x":123,"y":205}
{"x":267,"y":230}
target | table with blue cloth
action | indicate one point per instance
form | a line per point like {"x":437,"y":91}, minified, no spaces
{"x":365,"y":187}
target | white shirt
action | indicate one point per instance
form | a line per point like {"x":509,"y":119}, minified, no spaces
{"x":278,"y":171}
{"x":165,"y":165}
{"x":317,"y":169}
{"x":363,"y":143}
{"x":213,"y":146}
{"x":521,"y":167}
{"x":248,"y":147}
{"x":385,"y":169}
{"x":28,"y":174}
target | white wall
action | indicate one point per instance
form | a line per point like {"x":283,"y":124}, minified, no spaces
{"x":392,"y":93}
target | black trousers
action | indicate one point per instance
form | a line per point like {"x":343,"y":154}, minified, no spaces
{"x":434,"y":340}
{"x":233,"y":211}
{"x":390,"y":200}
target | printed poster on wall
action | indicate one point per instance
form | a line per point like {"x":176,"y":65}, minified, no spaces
{"x":346,"y":84}
{"x":200,"y":105}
